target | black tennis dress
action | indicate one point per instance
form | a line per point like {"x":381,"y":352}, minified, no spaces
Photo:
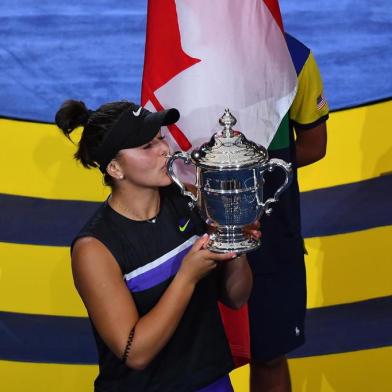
{"x":149,"y":255}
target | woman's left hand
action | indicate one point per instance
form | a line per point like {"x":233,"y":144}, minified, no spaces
{"x":253,"y":230}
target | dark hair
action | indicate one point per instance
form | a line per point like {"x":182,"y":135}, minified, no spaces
{"x":73,"y":114}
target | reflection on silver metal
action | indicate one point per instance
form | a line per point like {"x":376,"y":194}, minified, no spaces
{"x":229,"y":183}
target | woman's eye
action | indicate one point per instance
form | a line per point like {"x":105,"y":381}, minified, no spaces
{"x":161,"y":137}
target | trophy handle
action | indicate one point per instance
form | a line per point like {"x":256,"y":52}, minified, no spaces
{"x":170,"y":171}
{"x":270,"y":166}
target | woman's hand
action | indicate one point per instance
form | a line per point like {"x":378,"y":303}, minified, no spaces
{"x":253,"y":230}
{"x":200,"y":261}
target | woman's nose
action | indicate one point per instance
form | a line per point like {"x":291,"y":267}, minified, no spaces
{"x":166,"y":153}
{"x":164,"y":148}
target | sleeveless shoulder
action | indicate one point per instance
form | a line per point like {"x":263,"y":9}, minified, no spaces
{"x":102,"y":227}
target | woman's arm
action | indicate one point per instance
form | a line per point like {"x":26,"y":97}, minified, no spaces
{"x":112,"y":309}
{"x":235,"y":276}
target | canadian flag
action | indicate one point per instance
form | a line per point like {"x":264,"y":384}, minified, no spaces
{"x":203,"y":56}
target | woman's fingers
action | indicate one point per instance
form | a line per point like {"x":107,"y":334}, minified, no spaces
{"x":255,"y":234}
{"x":253,"y":226}
{"x":256,"y":224}
{"x":220,"y":256}
{"x":200,"y":243}
{"x":253,"y":230}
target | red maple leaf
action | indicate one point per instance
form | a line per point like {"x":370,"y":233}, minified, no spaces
{"x":164,"y":57}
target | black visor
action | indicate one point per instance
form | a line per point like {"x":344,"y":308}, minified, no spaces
{"x":134,"y":127}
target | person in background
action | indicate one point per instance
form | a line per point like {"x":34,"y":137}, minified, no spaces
{"x":277,"y":303}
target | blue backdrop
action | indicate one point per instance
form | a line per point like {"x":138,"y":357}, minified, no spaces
{"x":93,"y":50}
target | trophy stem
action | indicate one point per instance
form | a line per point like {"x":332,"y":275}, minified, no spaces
{"x":231,"y":239}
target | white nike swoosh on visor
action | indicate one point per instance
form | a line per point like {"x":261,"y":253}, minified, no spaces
{"x":136,"y":114}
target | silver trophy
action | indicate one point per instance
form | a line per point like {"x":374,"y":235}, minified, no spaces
{"x":229,"y":183}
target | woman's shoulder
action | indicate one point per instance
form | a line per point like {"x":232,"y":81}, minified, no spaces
{"x":101,"y":231}
{"x":94,"y":226}
{"x":87,"y":247}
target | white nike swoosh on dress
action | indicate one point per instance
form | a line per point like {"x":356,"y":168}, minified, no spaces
{"x":136,"y":114}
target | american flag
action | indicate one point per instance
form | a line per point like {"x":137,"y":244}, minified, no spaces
{"x":321,"y":101}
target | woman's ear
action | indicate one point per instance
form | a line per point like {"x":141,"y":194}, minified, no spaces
{"x":114,"y":170}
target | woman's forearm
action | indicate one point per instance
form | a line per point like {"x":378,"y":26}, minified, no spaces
{"x":153,"y":330}
{"x":113,"y":310}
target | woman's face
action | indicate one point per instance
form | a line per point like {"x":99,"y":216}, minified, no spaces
{"x":146,"y":165}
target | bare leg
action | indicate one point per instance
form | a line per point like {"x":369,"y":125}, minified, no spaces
{"x":270,"y":376}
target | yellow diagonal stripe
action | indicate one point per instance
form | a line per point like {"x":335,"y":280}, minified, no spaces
{"x":359,"y":371}
{"x":359,"y":148}
{"x":40,"y":163}
{"x":37,"y":279}
{"x":341,"y":268}
{"x":43,"y":377}
{"x":349,"y":267}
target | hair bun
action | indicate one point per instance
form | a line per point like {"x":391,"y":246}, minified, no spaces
{"x":72,"y":114}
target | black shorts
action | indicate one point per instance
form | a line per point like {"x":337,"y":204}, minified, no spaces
{"x":277,"y":307}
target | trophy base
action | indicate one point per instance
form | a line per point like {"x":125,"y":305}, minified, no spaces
{"x":226,"y":241}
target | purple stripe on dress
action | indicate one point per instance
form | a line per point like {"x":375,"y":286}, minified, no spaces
{"x":221,"y":385}
{"x":157,"y":275}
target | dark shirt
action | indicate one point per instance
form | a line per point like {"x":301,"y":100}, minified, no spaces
{"x":149,"y":255}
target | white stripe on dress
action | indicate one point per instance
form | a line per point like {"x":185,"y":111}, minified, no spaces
{"x":156,"y":263}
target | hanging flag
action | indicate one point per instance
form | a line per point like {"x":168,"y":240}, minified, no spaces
{"x":203,"y":56}
{"x":207,"y":55}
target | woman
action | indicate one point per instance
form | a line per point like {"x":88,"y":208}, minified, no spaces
{"x":140,"y":264}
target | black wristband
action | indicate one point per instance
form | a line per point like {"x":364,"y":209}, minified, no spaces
{"x":128,"y":346}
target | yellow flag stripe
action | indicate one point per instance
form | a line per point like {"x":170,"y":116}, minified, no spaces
{"x":353,"y":371}
{"x":358,"y":371}
{"x":42,"y":164}
{"x":42,"y":158}
{"x":341,"y":269}
{"x":359,"y":148}
{"x":37,"y":279}
{"x":44,"y":377}
{"x":349,"y":267}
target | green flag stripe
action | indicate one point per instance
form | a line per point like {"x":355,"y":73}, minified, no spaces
{"x":281,"y":138}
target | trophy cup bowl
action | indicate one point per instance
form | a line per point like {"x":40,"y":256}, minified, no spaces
{"x":229,"y":181}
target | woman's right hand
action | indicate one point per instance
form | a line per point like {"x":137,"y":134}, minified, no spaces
{"x":199,"y":261}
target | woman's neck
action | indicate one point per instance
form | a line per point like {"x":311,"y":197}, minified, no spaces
{"x":140,"y":205}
